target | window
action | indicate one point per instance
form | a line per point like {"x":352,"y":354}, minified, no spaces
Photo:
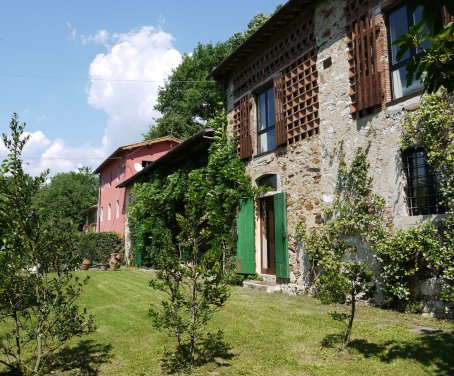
{"x":110,"y":179}
{"x":117,"y":209}
{"x":101,"y":182}
{"x":101,"y":214}
{"x":400,"y":20}
{"x":109,"y":212}
{"x":269,"y":181}
{"x":266,"y":121}
{"x":423,"y":195}
{"x":118,"y":172}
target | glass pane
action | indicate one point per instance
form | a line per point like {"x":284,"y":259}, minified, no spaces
{"x":398,"y":25}
{"x":262,"y":111}
{"x":400,"y":87}
{"x":417,"y":15}
{"x":263,"y":142}
{"x":271,"y":115}
{"x":271,"y":143}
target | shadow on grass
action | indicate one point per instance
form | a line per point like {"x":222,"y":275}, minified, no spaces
{"x":332,"y":341}
{"x":86,"y":358}
{"x":212,"y":350}
{"x":431,"y":350}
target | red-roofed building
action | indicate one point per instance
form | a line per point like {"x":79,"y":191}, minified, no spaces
{"x":122,"y":164}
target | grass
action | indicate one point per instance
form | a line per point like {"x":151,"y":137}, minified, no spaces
{"x":269,"y":334}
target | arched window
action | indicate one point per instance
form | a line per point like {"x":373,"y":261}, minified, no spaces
{"x":268,"y":180}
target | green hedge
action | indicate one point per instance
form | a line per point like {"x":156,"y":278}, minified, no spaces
{"x":97,"y":246}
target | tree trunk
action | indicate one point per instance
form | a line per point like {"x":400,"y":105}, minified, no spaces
{"x":350,"y":322}
{"x":39,"y":355}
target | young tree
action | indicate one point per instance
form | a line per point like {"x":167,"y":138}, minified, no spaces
{"x":38,"y":313}
{"x":187,"y":217}
{"x":337,"y":249}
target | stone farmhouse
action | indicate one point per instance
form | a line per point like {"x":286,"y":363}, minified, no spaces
{"x":317,"y":73}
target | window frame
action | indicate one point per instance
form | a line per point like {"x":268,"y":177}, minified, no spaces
{"x":268,"y":129}
{"x":394,"y":67}
{"x":415,"y":190}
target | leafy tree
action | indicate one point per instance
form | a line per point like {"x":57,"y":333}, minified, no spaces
{"x":341,"y":271}
{"x":67,"y":195}
{"x":187,"y":217}
{"x":435,"y":66}
{"x":38,"y":313}
{"x":189,"y":99}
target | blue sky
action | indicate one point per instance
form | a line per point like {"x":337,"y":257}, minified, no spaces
{"x":84,"y":74}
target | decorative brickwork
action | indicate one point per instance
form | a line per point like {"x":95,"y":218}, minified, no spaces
{"x":242,"y":126}
{"x":300,"y":106}
{"x":297,"y":42}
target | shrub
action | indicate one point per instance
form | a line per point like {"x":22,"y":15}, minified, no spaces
{"x":98,"y":246}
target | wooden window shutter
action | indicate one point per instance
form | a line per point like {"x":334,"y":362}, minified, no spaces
{"x":246,"y":237}
{"x":365,"y":90}
{"x":280,"y":127}
{"x":280,"y":232}
{"x":244,"y":128}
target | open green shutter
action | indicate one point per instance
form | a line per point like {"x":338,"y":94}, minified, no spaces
{"x":138,"y":247}
{"x":246,"y":238}
{"x":280,"y":230}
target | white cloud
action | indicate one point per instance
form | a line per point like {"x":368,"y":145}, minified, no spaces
{"x":125,"y":81}
{"x":124,"y":84}
{"x":72,"y":31}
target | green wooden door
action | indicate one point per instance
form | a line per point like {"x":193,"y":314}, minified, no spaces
{"x":280,"y":231}
{"x":246,"y":238}
{"x":138,"y":247}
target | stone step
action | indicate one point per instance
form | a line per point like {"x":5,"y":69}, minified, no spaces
{"x":268,"y":278}
{"x":262,"y":285}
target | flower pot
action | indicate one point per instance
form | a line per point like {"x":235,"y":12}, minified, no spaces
{"x":85,"y":264}
{"x":103,"y":267}
{"x":113,"y":262}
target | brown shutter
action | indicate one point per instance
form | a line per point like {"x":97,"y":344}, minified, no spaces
{"x":280,"y":128}
{"x":244,"y":128}
{"x":364,"y":76}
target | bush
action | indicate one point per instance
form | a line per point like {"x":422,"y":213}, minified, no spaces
{"x":98,"y":246}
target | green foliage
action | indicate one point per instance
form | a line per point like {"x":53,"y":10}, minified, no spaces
{"x":189,"y":98}
{"x":67,"y":195}
{"x":186,"y":219}
{"x":435,"y":66}
{"x":98,"y":246}
{"x":38,"y":313}
{"x":431,"y":127}
{"x":406,"y":257}
{"x":352,"y":225}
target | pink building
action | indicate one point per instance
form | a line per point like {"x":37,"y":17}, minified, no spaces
{"x":121,"y":165}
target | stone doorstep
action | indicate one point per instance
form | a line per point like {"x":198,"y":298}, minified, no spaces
{"x":262,"y":285}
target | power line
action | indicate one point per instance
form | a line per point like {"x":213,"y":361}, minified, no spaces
{"x":51,"y":77}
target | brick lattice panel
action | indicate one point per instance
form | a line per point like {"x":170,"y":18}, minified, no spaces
{"x":295,"y":43}
{"x":300,"y":99}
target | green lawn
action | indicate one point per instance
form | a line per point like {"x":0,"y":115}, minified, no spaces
{"x":269,"y":334}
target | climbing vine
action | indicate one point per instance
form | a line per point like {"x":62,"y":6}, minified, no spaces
{"x":337,"y":250}
{"x":431,"y":128}
{"x":187,"y":218}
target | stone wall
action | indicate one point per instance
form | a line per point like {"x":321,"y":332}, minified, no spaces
{"x":307,"y":170}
